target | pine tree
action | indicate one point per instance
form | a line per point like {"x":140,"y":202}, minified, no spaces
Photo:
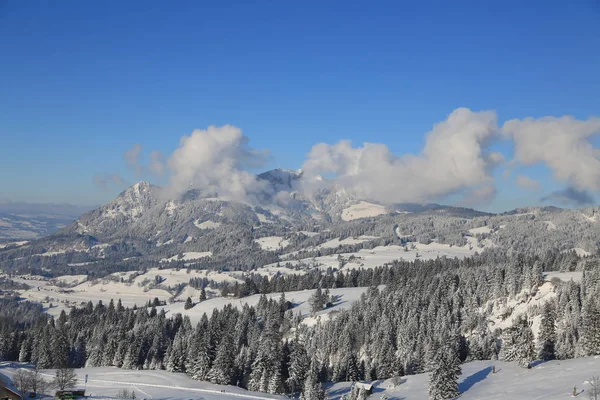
{"x":201,"y":361}
{"x":590,"y":330}
{"x":299,"y":365}
{"x":188,"y":304}
{"x":518,"y":343}
{"x":313,"y":390}
{"x":316,"y":301}
{"x":547,"y":336}
{"x":222,"y":368}
{"x":443,"y":380}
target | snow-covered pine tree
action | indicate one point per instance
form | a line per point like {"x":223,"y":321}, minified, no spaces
{"x":443,"y":380}
{"x":188,"y":304}
{"x":547,"y":335}
{"x":589,"y":342}
{"x":299,"y":365}
{"x":316,"y":301}
{"x":313,"y":390}
{"x":222,"y":368}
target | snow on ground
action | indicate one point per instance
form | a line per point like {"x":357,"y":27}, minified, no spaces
{"x":189,"y":256}
{"x":12,"y":244}
{"x":333,"y":243}
{"x":589,"y":219}
{"x":71,"y":279}
{"x":206,"y":224}
{"x":504,"y":313}
{"x":380,"y":255}
{"x":481,"y":229}
{"x":309,"y":234}
{"x":551,"y":226}
{"x":262,"y":218}
{"x":401,"y":235}
{"x":106,"y":382}
{"x":131,"y":288}
{"x":552,"y":380}
{"x":346,"y":297}
{"x":170,"y":208}
{"x":564,"y":276}
{"x":272,"y":242}
{"x":98,"y":290}
{"x":363,"y":210}
{"x":581,"y":252}
{"x":275,"y":270}
{"x":81,"y":264}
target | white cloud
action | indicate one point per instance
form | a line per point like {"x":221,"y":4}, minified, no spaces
{"x":157,"y":165}
{"x":454,"y":158}
{"x":563,"y":144}
{"x":132,"y":158}
{"x":526,"y":182}
{"x":213,"y":160}
{"x":481,"y":195}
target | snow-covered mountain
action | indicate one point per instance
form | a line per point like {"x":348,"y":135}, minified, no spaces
{"x":142,"y":226}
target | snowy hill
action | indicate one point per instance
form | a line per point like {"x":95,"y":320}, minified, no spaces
{"x":142,"y":226}
{"x":106,"y":382}
{"x":552,"y":380}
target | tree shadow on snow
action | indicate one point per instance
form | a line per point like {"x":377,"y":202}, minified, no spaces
{"x":471,"y":380}
{"x":536,"y":363}
{"x":338,"y":393}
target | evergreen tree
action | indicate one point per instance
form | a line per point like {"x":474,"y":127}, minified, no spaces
{"x":590,"y":328}
{"x":443,"y":380}
{"x":547,"y":335}
{"x":313,"y":390}
{"x":299,"y":365}
{"x":222,"y":369}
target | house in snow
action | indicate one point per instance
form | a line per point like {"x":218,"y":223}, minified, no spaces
{"x":368,"y":388}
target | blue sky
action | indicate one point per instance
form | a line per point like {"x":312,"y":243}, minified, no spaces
{"x":82,"y":82}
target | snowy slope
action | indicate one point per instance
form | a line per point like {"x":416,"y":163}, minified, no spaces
{"x":548,"y":381}
{"x":380,"y":255}
{"x":106,"y":382}
{"x":362,"y":209}
{"x":346,"y":297}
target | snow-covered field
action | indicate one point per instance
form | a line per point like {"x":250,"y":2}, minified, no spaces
{"x":189,"y":256}
{"x":106,"y":382}
{"x":134,"y":289}
{"x":272,"y":242}
{"x":552,"y":380}
{"x":346,"y":297}
{"x":378,"y":256}
{"x":362,"y":209}
{"x":481,"y":229}
{"x":206,"y":224}
{"x":547,"y":381}
{"x":333,"y":243}
{"x":131,"y":288}
{"x":12,"y":244}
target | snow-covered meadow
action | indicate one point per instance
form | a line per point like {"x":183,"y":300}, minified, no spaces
{"x":552,"y":380}
{"x":106,"y":382}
